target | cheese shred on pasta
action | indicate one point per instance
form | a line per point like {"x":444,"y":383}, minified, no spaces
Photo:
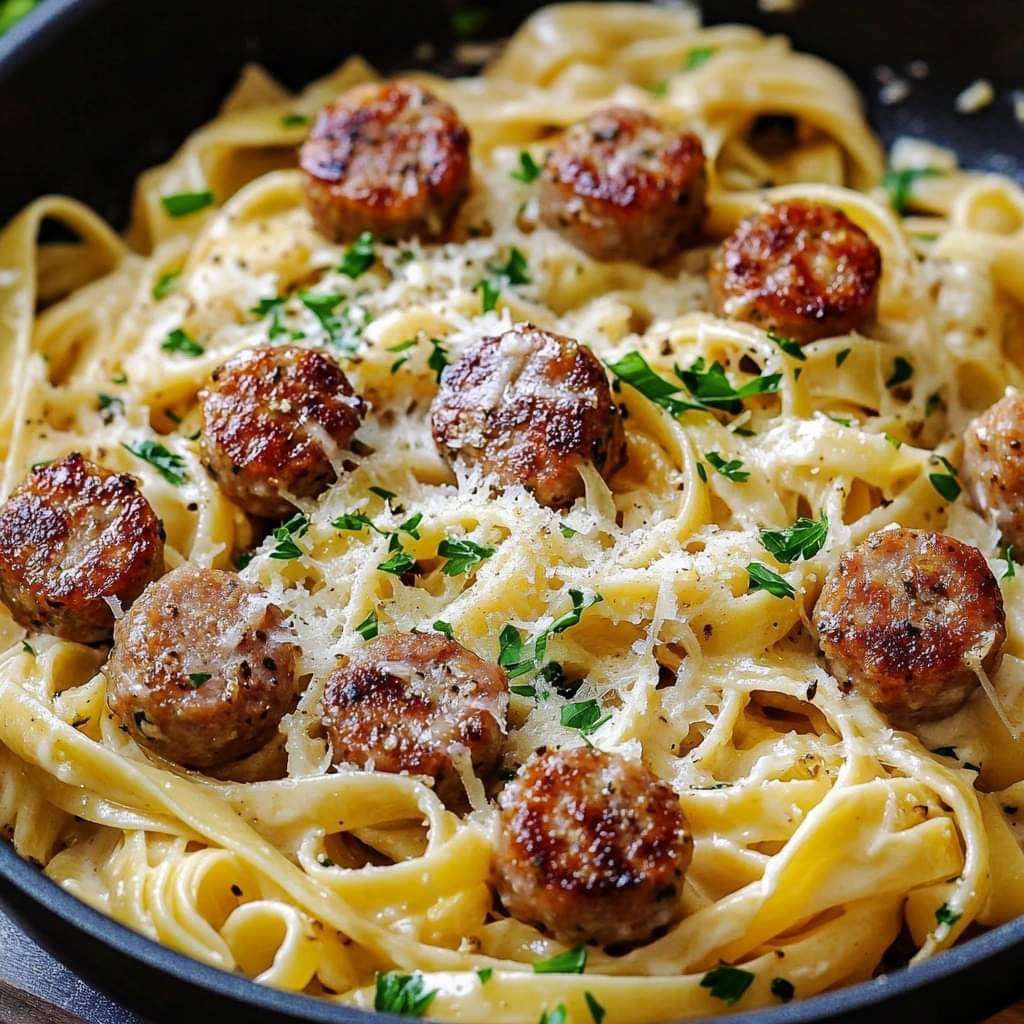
{"x":820,"y":832}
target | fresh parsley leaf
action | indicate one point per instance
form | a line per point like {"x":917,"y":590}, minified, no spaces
{"x":762,"y":578}
{"x":597,"y":1011}
{"x":698,"y":57}
{"x":946,"y":916}
{"x":411,"y":525}
{"x":467,"y":22}
{"x":804,"y":539}
{"x":181,"y":204}
{"x":28,"y":648}
{"x":946,"y":483}
{"x":272,"y":307}
{"x":571,"y":961}
{"x":891,"y":440}
{"x":572,"y":618}
{"x":444,"y":628}
{"x":403,"y":345}
{"x":343,"y":330}
{"x":713,"y":389}
{"x":110,"y":404}
{"x":359,"y":256}
{"x":285,"y":535}
{"x":843,"y":421}
{"x":170,"y":466}
{"x":198,"y":678}
{"x":179,"y":341}
{"x":484,"y":974}
{"x":782,"y":989}
{"x":900,"y":185}
{"x":242,"y":560}
{"x":399,"y":563}
{"x":727,"y":983}
{"x":462,"y":554}
{"x":566,"y":531}
{"x":383,"y":492}
{"x":529,"y":171}
{"x":355,"y":522}
{"x":164,"y":283}
{"x":902,"y":371}
{"x":788,"y":345}
{"x":368,"y":628}
{"x":510,"y":653}
{"x":841,"y":357}
{"x":524,"y":690}
{"x":12,"y":11}
{"x":438,"y":358}
{"x":121,"y":378}
{"x":293,"y":120}
{"x":555,"y":1016}
{"x":732,"y":469}
{"x":515,"y":270}
{"x":585,"y":716}
{"x":404,"y":994}
{"x":702,"y":472}
{"x":635,"y":371}
{"x":1007,"y":553}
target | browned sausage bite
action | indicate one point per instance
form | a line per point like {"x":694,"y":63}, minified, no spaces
{"x":529,"y":407}
{"x":993,"y":467}
{"x":801,"y":269}
{"x":272,"y":419}
{"x":905,"y":616}
{"x":390,"y":158}
{"x":621,"y":185}
{"x":76,"y":543}
{"x":417,"y":703}
{"x":203,"y":667}
{"x":592,"y":847}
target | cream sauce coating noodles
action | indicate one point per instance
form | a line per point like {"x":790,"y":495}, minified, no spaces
{"x":821,"y":833}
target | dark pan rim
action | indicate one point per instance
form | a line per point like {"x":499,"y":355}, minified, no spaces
{"x":28,"y":36}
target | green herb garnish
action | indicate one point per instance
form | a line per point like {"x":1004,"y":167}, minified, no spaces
{"x":760,"y":577}
{"x":515,"y":270}
{"x":900,"y":185}
{"x":399,"y":563}
{"x":841,"y":357}
{"x":727,"y":983}
{"x":804,"y":539}
{"x":198,"y":678}
{"x":294,"y":120}
{"x":272,"y":307}
{"x":698,"y":57}
{"x":179,"y":341}
{"x":285,"y":535}
{"x":462,"y":554}
{"x":444,"y":628}
{"x":170,"y":466}
{"x":164,"y":283}
{"x":946,"y":916}
{"x":1007,"y":553}
{"x":571,"y":961}
{"x":181,"y":204}
{"x":586,"y":716}
{"x":597,"y":1011}
{"x":404,"y":994}
{"x":359,"y":256}
{"x":788,"y":345}
{"x":732,"y":469}
{"x":484,"y":974}
{"x":368,"y":628}
{"x":902,"y":371}
{"x":438,"y":358}
{"x":529,"y":171}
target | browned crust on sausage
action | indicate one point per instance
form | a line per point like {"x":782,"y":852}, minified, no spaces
{"x":802,"y":269}
{"x":591,"y":847}
{"x":265,"y":414}
{"x":993,"y":467}
{"x":416,"y":703}
{"x":901,"y":618}
{"x":71,"y":535}
{"x":621,"y":185}
{"x":197,"y":622}
{"x":389,"y":158}
{"x":554,"y":413}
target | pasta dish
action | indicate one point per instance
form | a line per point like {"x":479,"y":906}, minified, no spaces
{"x":533,"y":546}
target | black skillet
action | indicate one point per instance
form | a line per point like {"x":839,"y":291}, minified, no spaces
{"x":94,"y":91}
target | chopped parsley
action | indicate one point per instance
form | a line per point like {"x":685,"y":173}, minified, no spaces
{"x":902,"y":371}
{"x":524,"y":690}
{"x":510,"y":655}
{"x":946,"y":916}
{"x":368,"y":628}
{"x":841,"y":357}
{"x":484,"y":974}
{"x":698,"y":57}
{"x":444,"y":628}
{"x":359,"y":256}
{"x":383,"y":492}
{"x":179,"y":341}
{"x":28,"y":648}
{"x":782,"y":989}
{"x":571,"y":961}
{"x":170,"y":466}
{"x":572,"y":618}
{"x":273,"y":308}
{"x":198,"y":678}
{"x":399,"y":563}
{"x":285,"y":535}
{"x":727,"y":983}
{"x":404,"y":994}
{"x":164,"y":283}
{"x":468,"y":21}
{"x":462,"y":554}
{"x":732,"y":470}
{"x":355,"y":522}
{"x":788,"y":345}
{"x":555,"y":1016}
{"x":515,"y":270}
{"x":597,"y":1011}
{"x":411,"y":525}
{"x":946,"y":483}
{"x":702,"y":472}
{"x":760,"y":577}
{"x":891,"y":440}
{"x":110,"y":404}
{"x":181,"y":204}
{"x":438,"y":358}
{"x":900,"y":185}
{"x":635,"y":371}
{"x":804,"y":539}
{"x":294,"y":120}
{"x":528,"y":171}
{"x":1007,"y":553}
{"x":402,"y":346}
{"x":342,"y":330}
{"x":566,"y":531}
{"x":712,"y":388}
{"x":843,"y":421}
{"x":242,"y":560}
{"x":586,"y":716}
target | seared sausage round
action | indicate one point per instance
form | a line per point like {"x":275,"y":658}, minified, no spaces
{"x":801,"y":269}
{"x":993,"y":467}
{"x":903,"y":618}
{"x":592,"y":847}
{"x":76,"y":542}
{"x":390,"y":158}
{"x":203,"y":667}
{"x":417,"y":703}
{"x":529,"y":407}
{"x":620,"y":185}
{"x":272,"y":419}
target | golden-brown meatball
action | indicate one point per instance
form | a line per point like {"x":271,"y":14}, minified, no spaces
{"x":272,"y":419}
{"x":76,"y":542}
{"x":591,"y":847}
{"x":203,"y":667}
{"x":903,"y":617}
{"x":621,"y":185}
{"x":390,"y":158}
{"x":801,"y":269}
{"x":993,"y":467}
{"x":529,"y":407}
{"x":417,"y":703}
